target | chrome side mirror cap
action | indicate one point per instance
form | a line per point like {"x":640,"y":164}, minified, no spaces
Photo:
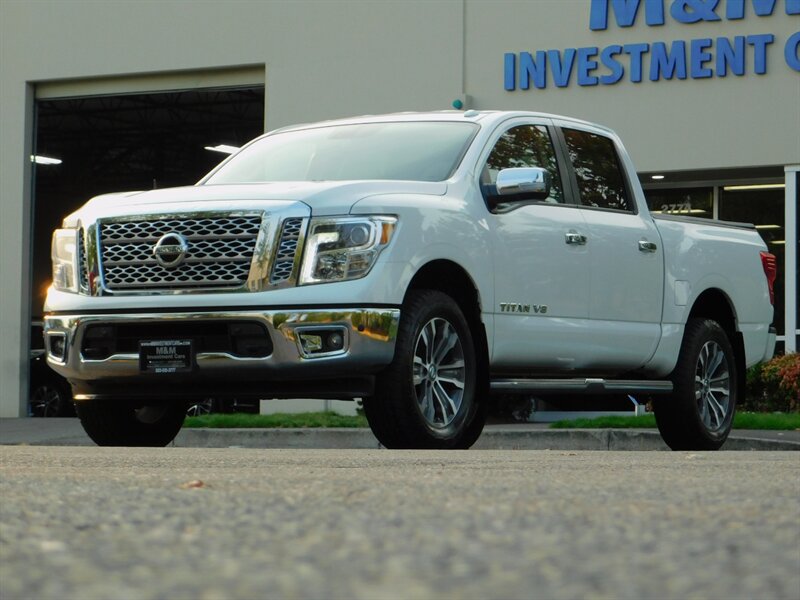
{"x":525,"y":183}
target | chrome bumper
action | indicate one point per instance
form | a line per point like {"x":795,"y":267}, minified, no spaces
{"x":369,"y":342}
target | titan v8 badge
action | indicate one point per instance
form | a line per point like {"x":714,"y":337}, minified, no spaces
{"x":512,"y":307}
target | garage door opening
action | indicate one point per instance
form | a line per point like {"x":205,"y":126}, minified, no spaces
{"x":95,"y":145}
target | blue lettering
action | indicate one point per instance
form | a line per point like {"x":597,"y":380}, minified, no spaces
{"x":617,"y":70}
{"x":763,"y":8}
{"x":510,"y":71}
{"x":625,"y":12}
{"x":792,"y":51}
{"x":532,"y":69}
{"x":692,"y":11}
{"x":586,"y":64}
{"x":683,"y":11}
{"x":730,"y":56}
{"x":636,"y":51}
{"x":759,"y":44}
{"x":668,"y":64}
{"x":699,"y":57}
{"x":561,"y":70}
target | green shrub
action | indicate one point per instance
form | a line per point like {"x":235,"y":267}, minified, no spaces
{"x":774,"y":385}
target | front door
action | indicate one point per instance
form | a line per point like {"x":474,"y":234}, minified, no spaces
{"x":541,"y":290}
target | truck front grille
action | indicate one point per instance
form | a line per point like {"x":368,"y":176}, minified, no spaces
{"x":83,"y":264}
{"x":243,"y":339}
{"x":285,"y":253}
{"x":219,"y":250}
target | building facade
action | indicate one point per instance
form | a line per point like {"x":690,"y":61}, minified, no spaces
{"x":705,"y":94}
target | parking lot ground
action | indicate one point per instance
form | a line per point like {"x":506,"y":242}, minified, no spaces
{"x":143,"y":523}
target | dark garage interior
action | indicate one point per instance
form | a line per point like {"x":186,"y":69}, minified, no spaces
{"x":128,"y":142}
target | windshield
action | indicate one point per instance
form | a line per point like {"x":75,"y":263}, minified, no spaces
{"x":412,"y":151}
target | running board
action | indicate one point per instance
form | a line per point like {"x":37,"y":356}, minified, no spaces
{"x":580,"y":386}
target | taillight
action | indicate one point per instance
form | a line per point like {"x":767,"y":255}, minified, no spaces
{"x":771,"y":271}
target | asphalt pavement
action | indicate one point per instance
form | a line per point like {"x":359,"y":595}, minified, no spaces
{"x":148,"y":523}
{"x":521,"y":436}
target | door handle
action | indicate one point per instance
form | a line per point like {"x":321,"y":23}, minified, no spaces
{"x":645,"y":246}
{"x":574,"y":238}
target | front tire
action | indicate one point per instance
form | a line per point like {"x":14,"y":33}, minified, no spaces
{"x":426,"y":398}
{"x":120,"y":423}
{"x":699,"y":414}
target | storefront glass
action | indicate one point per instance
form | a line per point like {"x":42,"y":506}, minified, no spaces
{"x":765,"y":209}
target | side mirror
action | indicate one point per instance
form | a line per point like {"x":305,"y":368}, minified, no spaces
{"x":528,"y":183}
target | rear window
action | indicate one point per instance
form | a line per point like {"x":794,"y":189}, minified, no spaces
{"x":601,"y":181}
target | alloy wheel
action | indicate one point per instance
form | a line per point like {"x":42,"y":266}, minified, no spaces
{"x":439,"y":373}
{"x":712,"y":385}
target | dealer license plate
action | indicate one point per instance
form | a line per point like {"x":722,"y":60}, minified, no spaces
{"x":165,"y":356}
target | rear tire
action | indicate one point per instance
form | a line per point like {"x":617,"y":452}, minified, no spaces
{"x":120,"y":423}
{"x":427,"y":396}
{"x":699,"y":414}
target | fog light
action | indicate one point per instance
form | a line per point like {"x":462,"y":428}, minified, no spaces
{"x":57,"y":346}
{"x":322,"y":341}
{"x":335,"y":341}
{"x":311,"y":343}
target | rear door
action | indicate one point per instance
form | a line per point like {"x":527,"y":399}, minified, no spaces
{"x":626,"y":262}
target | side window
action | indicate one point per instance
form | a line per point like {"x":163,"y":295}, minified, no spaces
{"x":524,"y":146}
{"x":601,"y":182}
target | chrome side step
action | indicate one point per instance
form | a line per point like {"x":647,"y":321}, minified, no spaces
{"x":580,"y":386}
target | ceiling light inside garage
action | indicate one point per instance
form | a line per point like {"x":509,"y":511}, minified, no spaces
{"x":757,"y":186}
{"x":224,"y":148}
{"x":45,"y":160}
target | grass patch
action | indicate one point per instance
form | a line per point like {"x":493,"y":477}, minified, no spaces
{"x":615,"y":422}
{"x":744,"y":420}
{"x":280,"y":420}
{"x":778,"y":421}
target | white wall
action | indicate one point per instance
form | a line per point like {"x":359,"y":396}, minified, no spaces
{"x":332,"y":58}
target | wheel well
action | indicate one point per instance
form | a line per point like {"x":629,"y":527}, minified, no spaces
{"x":715,"y":304}
{"x":451,"y":278}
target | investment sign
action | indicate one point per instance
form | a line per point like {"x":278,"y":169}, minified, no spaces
{"x":699,"y":58}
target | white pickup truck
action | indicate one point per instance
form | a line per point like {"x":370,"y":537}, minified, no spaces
{"x":422,"y":262}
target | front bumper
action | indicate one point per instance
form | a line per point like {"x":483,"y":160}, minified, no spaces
{"x":288,"y":371}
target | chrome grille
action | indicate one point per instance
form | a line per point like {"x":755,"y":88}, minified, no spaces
{"x":220,"y":250}
{"x":83,"y":263}
{"x":283,"y":265}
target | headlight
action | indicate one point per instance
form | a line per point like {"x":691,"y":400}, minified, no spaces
{"x":344,"y":248}
{"x":64,"y":253}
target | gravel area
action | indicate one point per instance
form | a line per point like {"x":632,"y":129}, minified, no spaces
{"x":128,"y":523}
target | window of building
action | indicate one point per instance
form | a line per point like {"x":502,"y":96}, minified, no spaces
{"x":690,"y":202}
{"x":525,"y":146}
{"x":601,"y":182}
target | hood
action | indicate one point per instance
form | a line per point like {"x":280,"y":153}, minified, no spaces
{"x":324,"y":198}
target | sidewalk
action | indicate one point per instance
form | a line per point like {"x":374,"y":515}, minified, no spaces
{"x":518,"y":436}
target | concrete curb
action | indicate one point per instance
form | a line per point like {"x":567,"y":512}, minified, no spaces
{"x":492,"y":439}
{"x":68,"y":432}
